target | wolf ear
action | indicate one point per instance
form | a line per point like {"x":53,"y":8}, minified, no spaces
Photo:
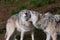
{"x":42,"y":15}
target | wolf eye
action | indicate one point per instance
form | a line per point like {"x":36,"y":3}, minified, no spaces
{"x":26,"y":14}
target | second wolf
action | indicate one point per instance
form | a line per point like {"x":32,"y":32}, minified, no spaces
{"x":48,"y":22}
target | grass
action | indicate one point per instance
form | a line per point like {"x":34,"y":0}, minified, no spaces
{"x":58,"y":12}
{"x":32,"y":2}
{"x":2,"y":31}
{"x":18,"y":9}
{"x":40,"y":2}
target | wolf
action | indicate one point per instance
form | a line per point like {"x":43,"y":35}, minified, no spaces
{"x":20,"y":23}
{"x":47,"y":22}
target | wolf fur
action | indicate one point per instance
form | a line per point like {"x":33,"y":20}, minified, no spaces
{"x":19,"y":22}
{"x":48,"y":23}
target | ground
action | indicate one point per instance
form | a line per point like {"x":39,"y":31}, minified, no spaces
{"x":5,"y":13}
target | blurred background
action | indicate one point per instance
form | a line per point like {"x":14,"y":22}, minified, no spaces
{"x":11,"y":7}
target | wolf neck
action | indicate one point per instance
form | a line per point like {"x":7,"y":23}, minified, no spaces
{"x":36,"y":21}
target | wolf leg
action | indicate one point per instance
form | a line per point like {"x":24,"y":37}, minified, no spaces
{"x":9,"y":30}
{"x":32,"y":35}
{"x":22,"y":35}
{"x":47,"y":36}
{"x":54,"y":36}
{"x":9,"y":33}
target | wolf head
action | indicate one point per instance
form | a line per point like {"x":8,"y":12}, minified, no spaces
{"x":28,"y":15}
{"x":24,"y":15}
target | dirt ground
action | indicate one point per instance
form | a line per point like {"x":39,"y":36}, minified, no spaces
{"x":6,"y":8}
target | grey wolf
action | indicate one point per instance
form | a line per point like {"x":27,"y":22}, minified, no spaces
{"x":48,"y":22}
{"x":20,"y":22}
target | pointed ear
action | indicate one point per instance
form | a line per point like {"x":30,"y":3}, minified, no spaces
{"x":42,"y":15}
